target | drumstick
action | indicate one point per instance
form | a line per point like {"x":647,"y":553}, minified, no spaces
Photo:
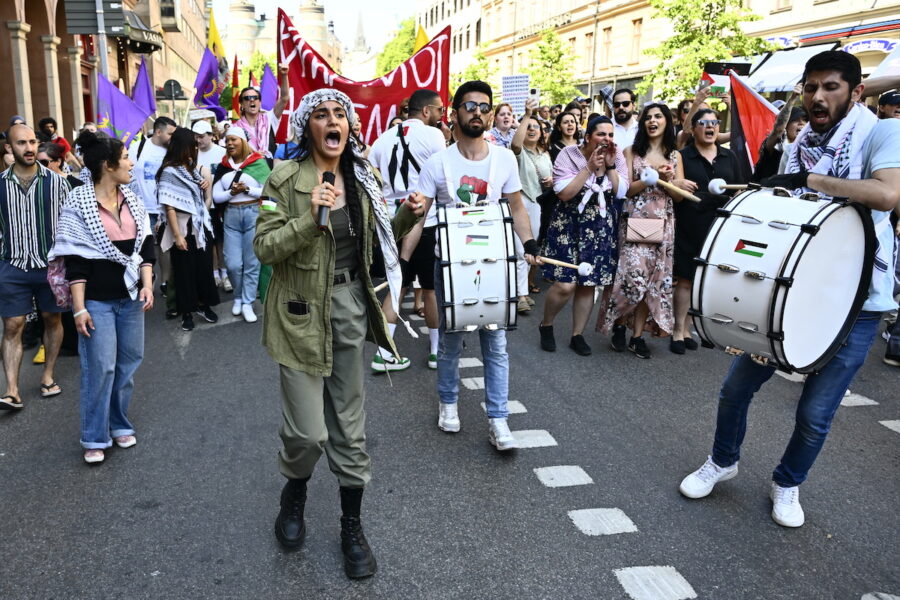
{"x":651,"y":177}
{"x":381,"y":286}
{"x":718,"y":186}
{"x":584,"y":269}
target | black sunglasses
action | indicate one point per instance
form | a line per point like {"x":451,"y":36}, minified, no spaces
{"x":249,"y":98}
{"x":624,"y":104}
{"x":44,"y":161}
{"x":471,"y":105}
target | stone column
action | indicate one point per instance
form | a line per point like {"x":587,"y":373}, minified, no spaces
{"x":21,"y":77}
{"x":75,"y":76}
{"x":54,"y":98}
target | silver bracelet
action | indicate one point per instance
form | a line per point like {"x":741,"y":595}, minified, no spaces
{"x":79,"y":313}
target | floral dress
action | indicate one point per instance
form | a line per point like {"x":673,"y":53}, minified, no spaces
{"x":645,"y":270}
{"x":589,"y":236}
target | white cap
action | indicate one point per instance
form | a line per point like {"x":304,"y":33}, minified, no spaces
{"x":202,"y":127}
{"x":236,"y":131}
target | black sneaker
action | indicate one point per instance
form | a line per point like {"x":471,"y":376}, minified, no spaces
{"x":617,"y":343}
{"x":548,"y":342}
{"x":580,"y":346}
{"x":677,"y":346}
{"x":639,"y":347}
{"x":690,"y":343}
{"x":187,"y":322}
{"x":171,"y":313}
{"x":208,"y":315}
{"x":163,"y":288}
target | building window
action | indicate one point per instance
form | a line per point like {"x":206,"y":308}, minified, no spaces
{"x":636,"y":26}
{"x":607,"y":45}
{"x":588,"y":49}
{"x":453,"y":45}
{"x":572,"y":45}
{"x":478,"y":32}
{"x":468,"y":38}
{"x":783,"y":4}
{"x":509,"y":64}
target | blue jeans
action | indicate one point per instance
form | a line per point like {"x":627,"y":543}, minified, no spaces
{"x":240,"y":260}
{"x":819,"y":401}
{"x":493,"y":352}
{"x":109,"y":359}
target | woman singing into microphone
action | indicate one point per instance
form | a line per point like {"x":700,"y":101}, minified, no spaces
{"x":321,"y":307}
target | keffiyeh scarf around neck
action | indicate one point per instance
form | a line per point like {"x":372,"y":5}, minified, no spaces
{"x":364,"y":174}
{"x":80,"y":231}
{"x":836,"y":153}
{"x":180,"y":189}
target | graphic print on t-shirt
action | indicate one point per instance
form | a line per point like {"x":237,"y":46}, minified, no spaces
{"x":471,"y":189}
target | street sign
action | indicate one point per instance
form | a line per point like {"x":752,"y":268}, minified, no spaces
{"x":81,"y":17}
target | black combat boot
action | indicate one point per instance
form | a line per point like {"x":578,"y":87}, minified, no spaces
{"x":359,"y":561}
{"x":290,"y":529}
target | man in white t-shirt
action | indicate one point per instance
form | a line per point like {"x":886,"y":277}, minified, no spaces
{"x":626,"y":125}
{"x":479,"y":172}
{"x":210,"y":155}
{"x":400,"y":153}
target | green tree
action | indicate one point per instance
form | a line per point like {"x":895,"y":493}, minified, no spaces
{"x":257,"y":64}
{"x":480,"y":69}
{"x":551,"y":69}
{"x":398,"y":49}
{"x":702,"y":31}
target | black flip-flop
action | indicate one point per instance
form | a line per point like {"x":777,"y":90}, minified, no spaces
{"x":46,"y":387}
{"x":534,"y":290}
{"x":10,"y":403}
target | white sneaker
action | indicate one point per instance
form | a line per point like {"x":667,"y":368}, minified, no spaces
{"x":249,"y":315}
{"x":448,"y":418}
{"x":786,"y":509}
{"x":702,"y":481}
{"x":500,"y":435}
{"x":236,"y":308}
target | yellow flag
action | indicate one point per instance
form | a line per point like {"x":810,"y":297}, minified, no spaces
{"x":214,"y":42}
{"x":421,"y":40}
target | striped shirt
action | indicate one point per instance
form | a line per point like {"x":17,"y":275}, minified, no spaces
{"x":28,"y":218}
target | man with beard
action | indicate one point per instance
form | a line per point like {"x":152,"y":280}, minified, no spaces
{"x":843,"y":152}
{"x":447,"y":178}
{"x":626,"y":125}
{"x":31,"y":197}
{"x":399,"y":155}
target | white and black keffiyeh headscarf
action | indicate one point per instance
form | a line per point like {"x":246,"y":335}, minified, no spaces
{"x":80,"y":231}
{"x":173,"y":181}
{"x":363,"y":171}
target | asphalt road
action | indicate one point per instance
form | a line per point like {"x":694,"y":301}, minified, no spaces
{"x":188,"y":512}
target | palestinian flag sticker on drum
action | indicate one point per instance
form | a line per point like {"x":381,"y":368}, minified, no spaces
{"x":477,"y":240}
{"x":750,"y":248}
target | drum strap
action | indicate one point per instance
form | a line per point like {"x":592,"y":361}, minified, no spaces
{"x":452,"y":183}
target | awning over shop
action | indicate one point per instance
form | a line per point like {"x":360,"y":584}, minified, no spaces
{"x":781,"y":71}
{"x":141,"y":39}
{"x":845,"y":32}
{"x":890,"y":65}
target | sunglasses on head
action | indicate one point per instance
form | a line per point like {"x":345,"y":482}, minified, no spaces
{"x":708,"y":122}
{"x":471,"y":106}
{"x":624,"y":104}
{"x":249,"y":98}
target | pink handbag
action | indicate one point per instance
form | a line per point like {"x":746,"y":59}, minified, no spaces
{"x":59,"y":285}
{"x":644,"y":231}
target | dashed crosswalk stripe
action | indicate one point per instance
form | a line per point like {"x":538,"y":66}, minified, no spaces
{"x":473,"y":383}
{"x":465,"y":363}
{"x":892,"y":425}
{"x":857,"y":400}
{"x":414,"y":317}
{"x":514,"y":407}
{"x":879,"y":596}
{"x":563,"y":476}
{"x":407,"y":305}
{"x":602,"y":521}
{"x":423,"y":330}
{"x":534,"y":438}
{"x":654,"y":583}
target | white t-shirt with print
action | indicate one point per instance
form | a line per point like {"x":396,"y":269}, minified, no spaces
{"x":489,"y":179}
{"x":211,"y":158}
{"x":144,"y":174}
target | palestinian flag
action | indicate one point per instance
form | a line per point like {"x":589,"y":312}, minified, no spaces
{"x":752,"y":119}
{"x":473,"y":213}
{"x":477,"y":240}
{"x":750,"y":248}
{"x":718,"y":84}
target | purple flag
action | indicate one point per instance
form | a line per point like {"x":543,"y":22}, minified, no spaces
{"x":208,"y":85}
{"x":142,"y":92}
{"x":117,"y":114}
{"x":268,"y":91}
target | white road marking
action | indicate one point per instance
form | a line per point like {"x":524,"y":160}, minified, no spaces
{"x":795,"y":377}
{"x":602,"y":521}
{"x":423,"y":330}
{"x":183,"y":338}
{"x":465,"y":363}
{"x":563,"y":476}
{"x":857,"y":400}
{"x":414,"y":317}
{"x":879,"y":596}
{"x":534,"y":438}
{"x":654,"y":583}
{"x":473,"y":383}
{"x":514,"y":407}
{"x":893,"y":425}
{"x":407,"y":305}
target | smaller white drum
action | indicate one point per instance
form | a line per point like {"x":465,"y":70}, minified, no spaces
{"x":478,"y":266}
{"x":783,"y":278}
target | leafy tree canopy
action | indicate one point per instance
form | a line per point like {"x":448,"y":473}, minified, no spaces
{"x":398,"y":49}
{"x":551,"y":69}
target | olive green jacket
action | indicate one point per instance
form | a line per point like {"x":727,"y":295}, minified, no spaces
{"x":302,"y":260}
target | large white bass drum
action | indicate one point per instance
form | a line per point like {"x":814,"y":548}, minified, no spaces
{"x":478,"y":266}
{"x":783,"y":278}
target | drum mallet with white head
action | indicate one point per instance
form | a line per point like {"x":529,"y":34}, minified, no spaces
{"x":381,"y":286}
{"x":651,"y":177}
{"x":718,"y":186}
{"x":584,"y":269}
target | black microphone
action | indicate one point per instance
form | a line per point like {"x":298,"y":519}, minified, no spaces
{"x":327,"y":177}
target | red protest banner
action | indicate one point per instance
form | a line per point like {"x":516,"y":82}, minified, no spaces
{"x":375,"y":101}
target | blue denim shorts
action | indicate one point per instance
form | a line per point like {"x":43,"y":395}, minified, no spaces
{"x":18,"y":288}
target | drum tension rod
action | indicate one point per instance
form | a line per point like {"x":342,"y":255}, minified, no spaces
{"x":757,"y":275}
{"x":725,"y":268}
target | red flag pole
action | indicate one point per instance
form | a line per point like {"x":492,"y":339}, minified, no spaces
{"x":235,"y":88}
